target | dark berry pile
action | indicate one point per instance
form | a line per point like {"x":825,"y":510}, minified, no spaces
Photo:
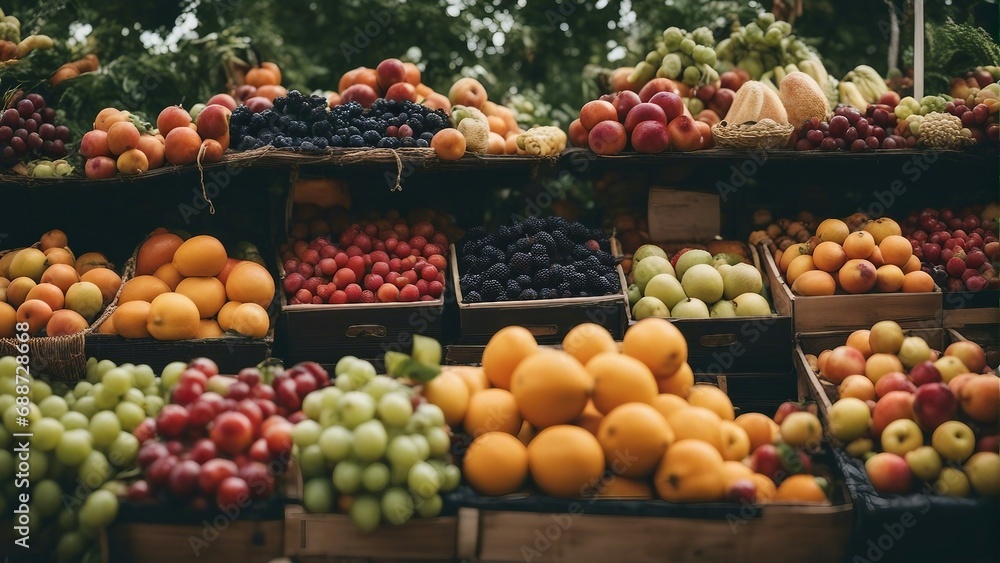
{"x":29,"y":129}
{"x":536,"y":259}
{"x":307,"y":123}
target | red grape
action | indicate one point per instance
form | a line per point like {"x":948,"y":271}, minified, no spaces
{"x":48,"y":115}
{"x":37,"y":101}
{"x":47,"y":131}
{"x":34,"y":141}
{"x":872,"y":142}
{"x":6,"y":134}
{"x":25,"y":108}
{"x":850,"y":135}
{"x":828,"y":144}
{"x":814,"y":136}
{"x":968,"y":119}
{"x":858,"y":145}
{"x":888,"y":143}
{"x":10,"y":118}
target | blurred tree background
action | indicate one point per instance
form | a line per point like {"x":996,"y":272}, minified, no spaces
{"x":549,"y":52}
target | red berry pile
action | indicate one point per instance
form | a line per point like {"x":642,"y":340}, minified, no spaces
{"x":977,"y":119}
{"x":849,"y":130}
{"x":959,"y":249}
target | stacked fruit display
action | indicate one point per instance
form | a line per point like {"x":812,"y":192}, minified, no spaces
{"x":257,"y":87}
{"x":875,"y":258}
{"x":52,"y":292}
{"x":959,"y":249}
{"x":930,"y":416}
{"x":694,"y":284}
{"x":122,"y":143}
{"x":28,"y":130}
{"x":388,"y":449}
{"x":536,"y":259}
{"x":12,"y":46}
{"x":565,"y":417}
{"x":191,"y":288}
{"x":377,"y":262}
{"x":849,"y":130}
{"x":81,"y":443}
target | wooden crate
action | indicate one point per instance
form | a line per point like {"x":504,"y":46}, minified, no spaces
{"x":963,"y":308}
{"x":851,"y":312}
{"x":548,"y":319}
{"x":247,"y":541}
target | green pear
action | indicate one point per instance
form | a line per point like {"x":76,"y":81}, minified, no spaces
{"x":649,"y":307}
{"x":691,"y":308}
{"x":667,"y":289}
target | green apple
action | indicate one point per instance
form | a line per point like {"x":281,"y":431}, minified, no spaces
{"x":924,"y":462}
{"x":752,"y":305}
{"x":901,"y":436}
{"x":667,"y":289}
{"x":913,"y":351}
{"x":691,"y":308}
{"x":649,"y":268}
{"x":849,"y":419}
{"x":647,"y":250}
{"x":983,"y":470}
{"x":950,"y":366}
{"x":952,"y":482}
{"x":954,"y":440}
{"x":649,"y":307}
{"x":634,"y":295}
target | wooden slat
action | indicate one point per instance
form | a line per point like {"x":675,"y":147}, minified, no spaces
{"x":682,"y":216}
{"x":245,"y":541}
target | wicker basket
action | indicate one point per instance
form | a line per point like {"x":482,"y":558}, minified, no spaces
{"x":748,"y":136}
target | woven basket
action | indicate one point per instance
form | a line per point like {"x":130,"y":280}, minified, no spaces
{"x":751,"y":136}
{"x":60,"y":358}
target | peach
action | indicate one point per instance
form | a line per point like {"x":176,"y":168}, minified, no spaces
{"x":221,"y":99}
{"x":260,"y":76}
{"x":61,"y":276}
{"x":624,"y":102}
{"x":708,"y":116}
{"x":52,"y":239}
{"x":213,"y":121}
{"x":361,"y":93}
{"x":412,"y":73}
{"x":210,"y":151}
{"x":438,"y":101}
{"x":980,"y":398}
{"x":172,"y":117}
{"x":467,"y":92}
{"x":671,"y":104}
{"x":401,"y":92}
{"x":497,"y":125}
{"x":650,"y":137}
{"x":896,"y":250}
{"x":918,"y":282}
{"x":94,"y":143}
{"x":735,"y":442}
{"x":36,"y":313}
{"x":858,"y":387}
{"x":449,"y":144}
{"x":8,"y":320}
{"x":55,"y":256}
{"x":48,"y":293}
{"x":578,"y":133}
{"x":90,"y":260}
{"x":707,"y":140}
{"x":859,"y":341}
{"x":17,"y":290}
{"x":842,"y":362}
{"x":107,"y":280}
{"x":497,"y":144}
{"x":132,"y":162}
{"x":656,"y":86}
{"x":859,"y":245}
{"x":596,"y":111}
{"x":271,"y":91}
{"x":100,"y":168}
{"x":644,"y":112}
{"x":389,"y":72}
{"x":152,"y":147}
{"x":348,"y":79}
{"x":857,"y":276}
{"x":913,"y":264}
{"x":181,"y":146}
{"x":684,"y":134}
{"x":273,"y":67}
{"x":424,"y":90}
{"x":760,"y":429}
{"x":122,"y":136}
{"x":65,"y":322}
{"x":607,"y":137}
{"x":878,"y":365}
{"x":888,"y":278}
{"x":829,"y":256}
{"x":821,"y":360}
{"x":108,"y":117}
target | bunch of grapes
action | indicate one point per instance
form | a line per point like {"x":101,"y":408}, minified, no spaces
{"x":81,"y":440}
{"x":680,"y":55}
{"x":389,"y":450}
{"x":307,"y":123}
{"x":29,"y":129}
{"x":849,"y":130}
{"x":977,"y":119}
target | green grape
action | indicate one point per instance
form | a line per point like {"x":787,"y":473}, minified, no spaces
{"x":355,"y":407}
{"x":306,"y":433}
{"x":397,"y":506}
{"x":153,"y":389}
{"x":398,"y":475}
{"x":171,"y":374}
{"x":336,"y":443}
{"x":671,"y":66}
{"x":703,"y":36}
{"x":130,"y":415}
{"x":773,"y":37}
{"x":438,"y":441}
{"x":311,"y":461}
{"x":98,"y":511}
{"x":347,"y":477}
{"x":329,"y":396}
{"x":329,"y":418}
{"x":153,"y":405}
{"x":433,"y":412}
{"x":318,"y":495}
{"x":123,"y":451}
{"x":370,"y":440}
{"x":452,"y":477}
{"x":375,"y":477}
{"x":67,"y":519}
{"x":430,"y":507}
{"x":116,"y":487}
{"x":8,"y":386}
{"x":5,"y":437}
{"x":70,"y":400}
{"x":423,"y":447}
{"x":143,"y":376}
{"x":380,"y":385}
{"x":135,"y":395}
{"x":7,"y":465}
{"x":46,"y":434}
{"x":686,"y":46}
{"x":403,"y":452}
{"x":103,"y":367}
{"x":104,"y":428}
{"x":47,"y":498}
{"x":704,"y":55}
{"x":53,"y":406}
{"x":8,"y":367}
{"x":74,"y":446}
{"x":312,"y":406}
{"x":86,"y":406}
{"x":691,"y":76}
{"x":91,"y":367}
{"x":94,"y":470}
{"x":395,"y":409}
{"x":366,"y":513}
{"x":39,"y":391}
{"x":672,"y":38}
{"x":6,"y":401}
{"x":426,"y":350}
{"x":82,"y":389}
{"x":71,"y":546}
{"x":74,"y":420}
{"x":38,"y":467}
{"x":15,"y":412}
{"x":344,"y":382}
{"x":344,"y":364}
{"x":117,"y":381}
{"x":423,"y":480}
{"x":361,"y":372}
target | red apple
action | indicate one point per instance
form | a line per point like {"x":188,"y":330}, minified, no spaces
{"x":731,"y":80}
{"x":842,"y":362}
{"x":232,"y":493}
{"x":389,"y":72}
{"x":742,"y":491}
{"x":578,"y":134}
{"x":988,"y":444}
{"x":684,"y":134}
{"x":785,"y":409}
{"x":893,"y":381}
{"x":893,"y":406}
{"x":624,"y":101}
{"x":671,"y":104}
{"x":654,"y":86}
{"x":596,"y":111}
{"x":224,"y":100}
{"x":644,"y":112}
{"x":650,"y":137}
{"x":766,"y":460}
{"x":722,"y":101}
{"x":607,"y":138}
{"x":923,"y":373}
{"x":232,"y":432}
{"x":889,"y":473}
{"x":933,"y":404}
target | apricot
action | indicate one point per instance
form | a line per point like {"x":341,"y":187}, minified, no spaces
{"x":65,"y":322}
{"x":917,"y":281}
{"x":108,"y":117}
{"x":859,"y":245}
{"x":596,"y":111}
{"x":260,"y":76}
{"x":53,"y":239}
{"x":828,"y":256}
{"x":798,"y":266}
{"x":857,"y":276}
{"x":896,"y":250}
{"x":152,"y":147}
{"x":888,"y":278}
{"x":181,"y":146}
{"x":791,"y":253}
{"x":122,"y":136}
{"x":412,"y":73}
{"x":61,"y":276}
{"x":94,"y":143}
{"x":271,"y":91}
{"x":60,"y":256}
{"x":213,"y":122}
{"x":814,"y":283}
{"x":49,"y":293}
{"x":207,"y":293}
{"x":912,"y":265}
{"x":578,"y":133}
{"x":348,"y":79}
{"x":211,"y":151}
{"x":467,"y":92}
{"x":132,"y":162}
{"x":8,"y":320}
{"x":449,"y":144}
{"x":274,"y":68}
{"x":225,"y":316}
{"x":437,"y":101}
{"x":497,"y":144}
{"x":678,"y":384}
{"x":171,"y":118}
{"x":36,"y":313}
{"x":859,"y":340}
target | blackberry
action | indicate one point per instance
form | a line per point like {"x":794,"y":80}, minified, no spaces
{"x":257,"y":121}
{"x":524,"y":244}
{"x":564,"y":290}
{"x":427,"y":136}
{"x":544,"y":238}
{"x":278,"y":103}
{"x":539,"y":249}
{"x":532,"y":225}
{"x":321,"y":128}
{"x":422,"y":143}
{"x":577,"y":231}
{"x":284,"y":122}
{"x":605,"y":258}
{"x":317,"y":114}
{"x":247,"y":143}
{"x":240,"y":116}
{"x":563,"y":242}
{"x":371,"y":138}
{"x":337,"y":141}
{"x":344,"y":132}
{"x":408,"y":142}
{"x":591,"y":263}
{"x":353,"y":130}
{"x":614,"y":281}
{"x":356,"y":141}
{"x":473,"y":297}
{"x":577,"y":282}
{"x":548,"y":293}
{"x":594,"y":280}
{"x":498,"y":272}
{"x":513,"y":289}
{"x":281,"y":142}
{"x":540,"y":261}
{"x":543,"y":277}
{"x":524,"y":281}
{"x":294,"y":96}
{"x":475,"y":233}
{"x":470,"y":282}
{"x":517,"y":229}
{"x":388,"y":143}
{"x":321,"y":143}
{"x":528,"y":295}
{"x":491,"y":289}
{"x":580,"y":252}
{"x":493,"y":253}
{"x":434,"y":122}
{"x":602,"y":287}
{"x":468,"y":262}
{"x":502,"y":297}
{"x":554,"y":222}
{"x":505,"y":234}
{"x":520,"y":263}
{"x":307,"y":146}
{"x":556,"y":274}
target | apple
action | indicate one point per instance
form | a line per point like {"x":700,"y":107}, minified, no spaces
{"x":221,"y":99}
{"x":596,"y":111}
{"x":983,"y":471}
{"x":842,"y":362}
{"x":232,"y":432}
{"x":952,"y":482}
{"x":860,"y":447}
{"x":954,"y":440}
{"x":389,"y":72}
{"x":607,"y":137}
{"x":650,"y":137}
{"x":894,"y":406}
{"x":924,"y":462}
{"x":577,"y":135}
{"x":914,"y":350}
{"x":933,"y":404}
{"x":785,"y":409}
{"x":979,"y":397}
{"x":879,"y":364}
{"x":655,"y":86}
{"x":988,"y":444}
{"x":849,"y":419}
{"x":742,"y":491}
{"x":801,"y":429}
{"x":971,"y":354}
{"x":644,"y":112}
{"x":893,"y":381}
{"x":949,"y":367}
{"x":924,"y":372}
{"x":889,"y":473}
{"x":361,"y":93}
{"x":886,"y":337}
{"x":901,"y":436}
{"x":671,"y":104}
{"x":858,"y":387}
{"x":684,"y":134}
{"x":624,"y":102}
{"x":766,"y":460}
{"x":232,"y":493}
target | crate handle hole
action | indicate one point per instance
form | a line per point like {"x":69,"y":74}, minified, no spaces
{"x":366,"y":331}
{"x":542,"y":330}
{"x":717,"y":340}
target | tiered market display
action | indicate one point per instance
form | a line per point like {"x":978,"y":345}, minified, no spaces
{"x":662,"y":388}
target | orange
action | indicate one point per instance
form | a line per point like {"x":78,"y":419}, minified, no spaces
{"x":249,"y":282}
{"x":691,"y":471}
{"x":202,"y":255}
{"x":449,"y":392}
{"x":658,"y":344}
{"x":697,"y":423}
{"x":565,"y":461}
{"x":108,"y":326}
{"x":130,"y":319}
{"x":859,"y":340}
{"x":888,"y":278}
{"x":209,"y":328}
{"x":207,"y":293}
{"x":713,"y":399}
{"x":492,"y":410}
{"x":634,"y":437}
{"x":896,"y":250}
{"x":668,"y":403}
{"x":679,"y":383}
{"x":759,"y":427}
{"x":623,"y":487}
{"x":551,"y":388}
{"x":857,"y":276}
{"x":813,"y":283}
{"x":799,"y":266}
{"x":251,"y":320}
{"x":225,"y":316}
{"x":142,"y":288}
{"x":106,"y":279}
{"x":859,"y":245}
{"x":169,"y":275}
{"x":828,"y":256}
{"x":833,"y":230}
{"x":918,"y":281}
{"x":620,"y":379}
{"x":155,"y":252}
{"x":791,"y":253}
{"x":172,"y":316}
{"x":590,"y":419}
{"x":587,"y":340}
{"x":473,"y":376}
{"x":800,"y":488}
{"x":504,"y":352}
{"x":734,"y":470}
{"x":495,"y":464}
